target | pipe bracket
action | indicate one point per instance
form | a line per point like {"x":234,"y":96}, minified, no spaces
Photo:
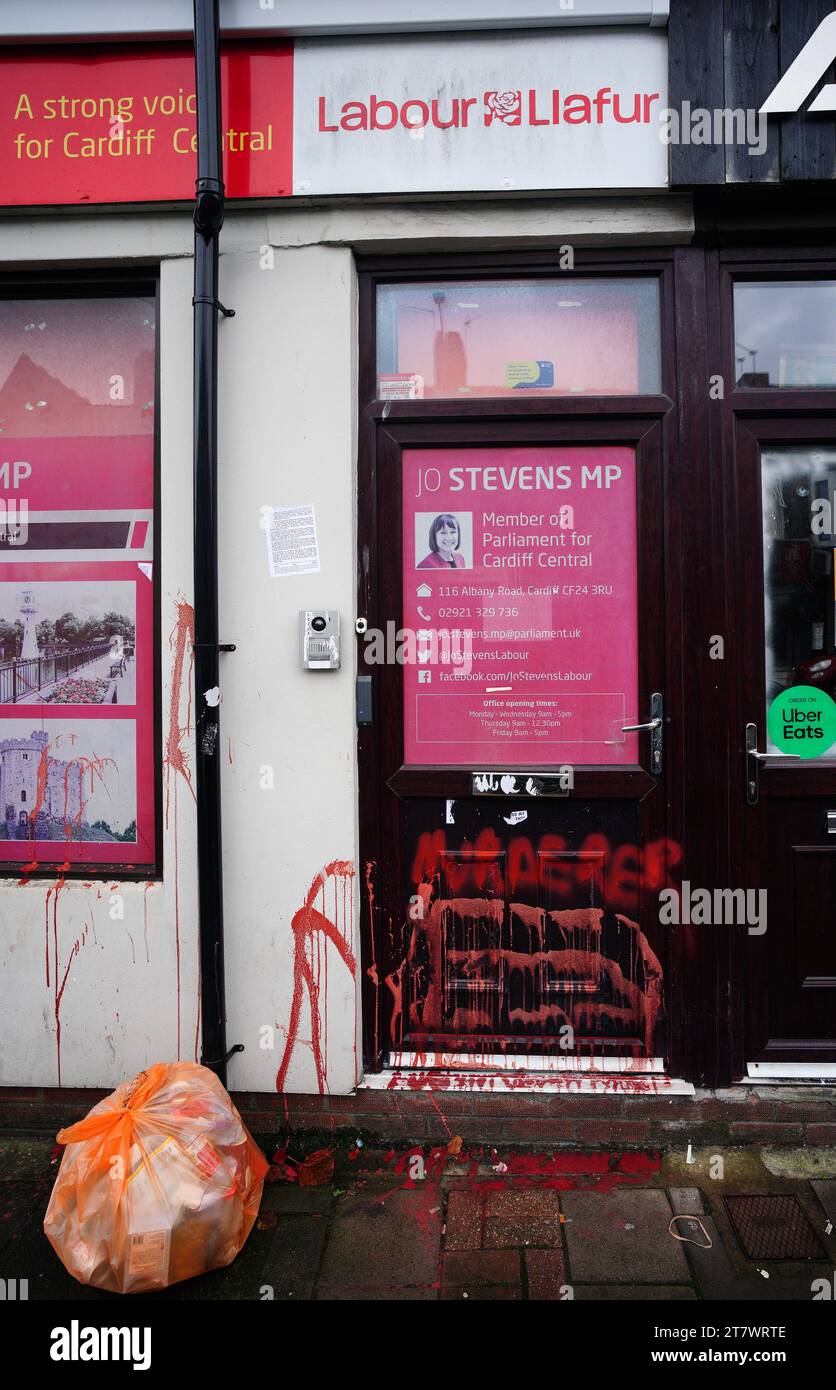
{"x":207,"y":1062}
{"x":207,"y":299}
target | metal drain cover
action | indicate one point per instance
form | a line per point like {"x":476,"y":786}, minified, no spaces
{"x":774,"y":1228}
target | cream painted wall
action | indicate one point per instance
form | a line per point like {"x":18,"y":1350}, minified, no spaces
{"x":287,"y":435}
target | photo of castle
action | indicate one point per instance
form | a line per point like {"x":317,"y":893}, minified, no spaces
{"x":74,"y":782}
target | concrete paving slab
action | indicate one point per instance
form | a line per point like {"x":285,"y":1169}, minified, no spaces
{"x":287,"y":1197}
{"x":482,"y":1274}
{"x":622,"y":1238}
{"x":495,"y":1293}
{"x":826,"y":1193}
{"x":25,"y":1157}
{"x":482,"y":1266}
{"x":686,"y":1200}
{"x":546,"y":1271}
{"x":239,"y":1281}
{"x":714,"y":1272}
{"x":628,"y":1293}
{"x":331,"y":1293}
{"x":30,"y":1256}
{"x":292,"y":1262}
{"x":16,"y":1205}
{"x":464,"y":1221}
{"x":523,"y":1218}
{"x":388,"y":1241}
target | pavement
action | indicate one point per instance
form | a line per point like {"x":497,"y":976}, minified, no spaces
{"x":456,"y":1223}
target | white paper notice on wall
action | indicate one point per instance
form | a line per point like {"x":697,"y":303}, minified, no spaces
{"x":291,"y":540}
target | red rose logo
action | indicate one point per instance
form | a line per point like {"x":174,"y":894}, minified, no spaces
{"x":503,"y":106}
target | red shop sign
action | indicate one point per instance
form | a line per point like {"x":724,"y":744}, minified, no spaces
{"x":81,"y":126}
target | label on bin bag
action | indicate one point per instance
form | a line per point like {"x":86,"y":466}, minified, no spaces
{"x":148,"y":1256}
{"x":204,"y":1154}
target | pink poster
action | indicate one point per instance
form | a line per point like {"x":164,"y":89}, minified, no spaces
{"x":519,"y":606}
{"x":77,"y":651}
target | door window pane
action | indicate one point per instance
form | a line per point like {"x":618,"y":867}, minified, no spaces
{"x":452,"y":340}
{"x":785,"y":333}
{"x":798,"y":489}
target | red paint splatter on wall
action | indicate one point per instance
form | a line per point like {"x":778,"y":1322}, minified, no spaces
{"x":371,"y":970}
{"x":75,"y":775}
{"x":80,"y":767}
{"x":621,"y":873}
{"x":325,"y":918}
{"x":476,"y":967}
{"x":176,"y":756}
{"x":521,"y":1079}
{"x":40,"y":785}
{"x":526,"y":941}
{"x":53,"y":893}
{"x":180,"y":644}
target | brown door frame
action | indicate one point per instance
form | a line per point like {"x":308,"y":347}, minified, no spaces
{"x":384,"y":429}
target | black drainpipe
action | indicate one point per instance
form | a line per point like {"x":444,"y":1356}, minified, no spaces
{"x":208,"y":220}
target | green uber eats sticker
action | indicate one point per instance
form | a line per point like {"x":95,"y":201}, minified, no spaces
{"x":802,"y":720}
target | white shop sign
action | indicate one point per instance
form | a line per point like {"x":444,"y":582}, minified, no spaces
{"x":480,"y":113}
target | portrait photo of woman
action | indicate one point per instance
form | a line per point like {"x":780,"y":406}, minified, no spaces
{"x":445,"y":538}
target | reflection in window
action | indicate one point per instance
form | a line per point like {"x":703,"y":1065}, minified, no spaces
{"x":785,"y":333}
{"x":798,"y":495}
{"x":497,"y":338}
{"x":76,"y":367}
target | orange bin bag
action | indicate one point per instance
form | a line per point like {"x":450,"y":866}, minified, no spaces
{"x":159,"y":1183}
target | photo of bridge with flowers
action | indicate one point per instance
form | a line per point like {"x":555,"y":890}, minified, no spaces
{"x":67,"y":644}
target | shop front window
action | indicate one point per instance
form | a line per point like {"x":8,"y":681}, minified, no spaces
{"x":575,"y":336}
{"x":77,"y":581}
{"x":785,"y":333}
{"x":798,"y":490}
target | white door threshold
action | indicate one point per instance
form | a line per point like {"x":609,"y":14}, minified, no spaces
{"x":487,"y":1081}
{"x":521,"y":1062}
{"x":763,"y":1073}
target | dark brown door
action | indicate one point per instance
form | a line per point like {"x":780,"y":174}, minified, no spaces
{"x":787,"y":806}
{"x":501,"y":917}
{"x":776,"y":348}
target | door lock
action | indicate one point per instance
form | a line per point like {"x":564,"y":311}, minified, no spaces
{"x":655,"y":727}
{"x":753,"y":757}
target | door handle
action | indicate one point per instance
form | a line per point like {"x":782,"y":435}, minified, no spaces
{"x":753,"y":758}
{"x":654,"y":726}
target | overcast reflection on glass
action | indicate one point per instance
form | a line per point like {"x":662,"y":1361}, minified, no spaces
{"x":799,"y":600}
{"x":785,"y":333}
